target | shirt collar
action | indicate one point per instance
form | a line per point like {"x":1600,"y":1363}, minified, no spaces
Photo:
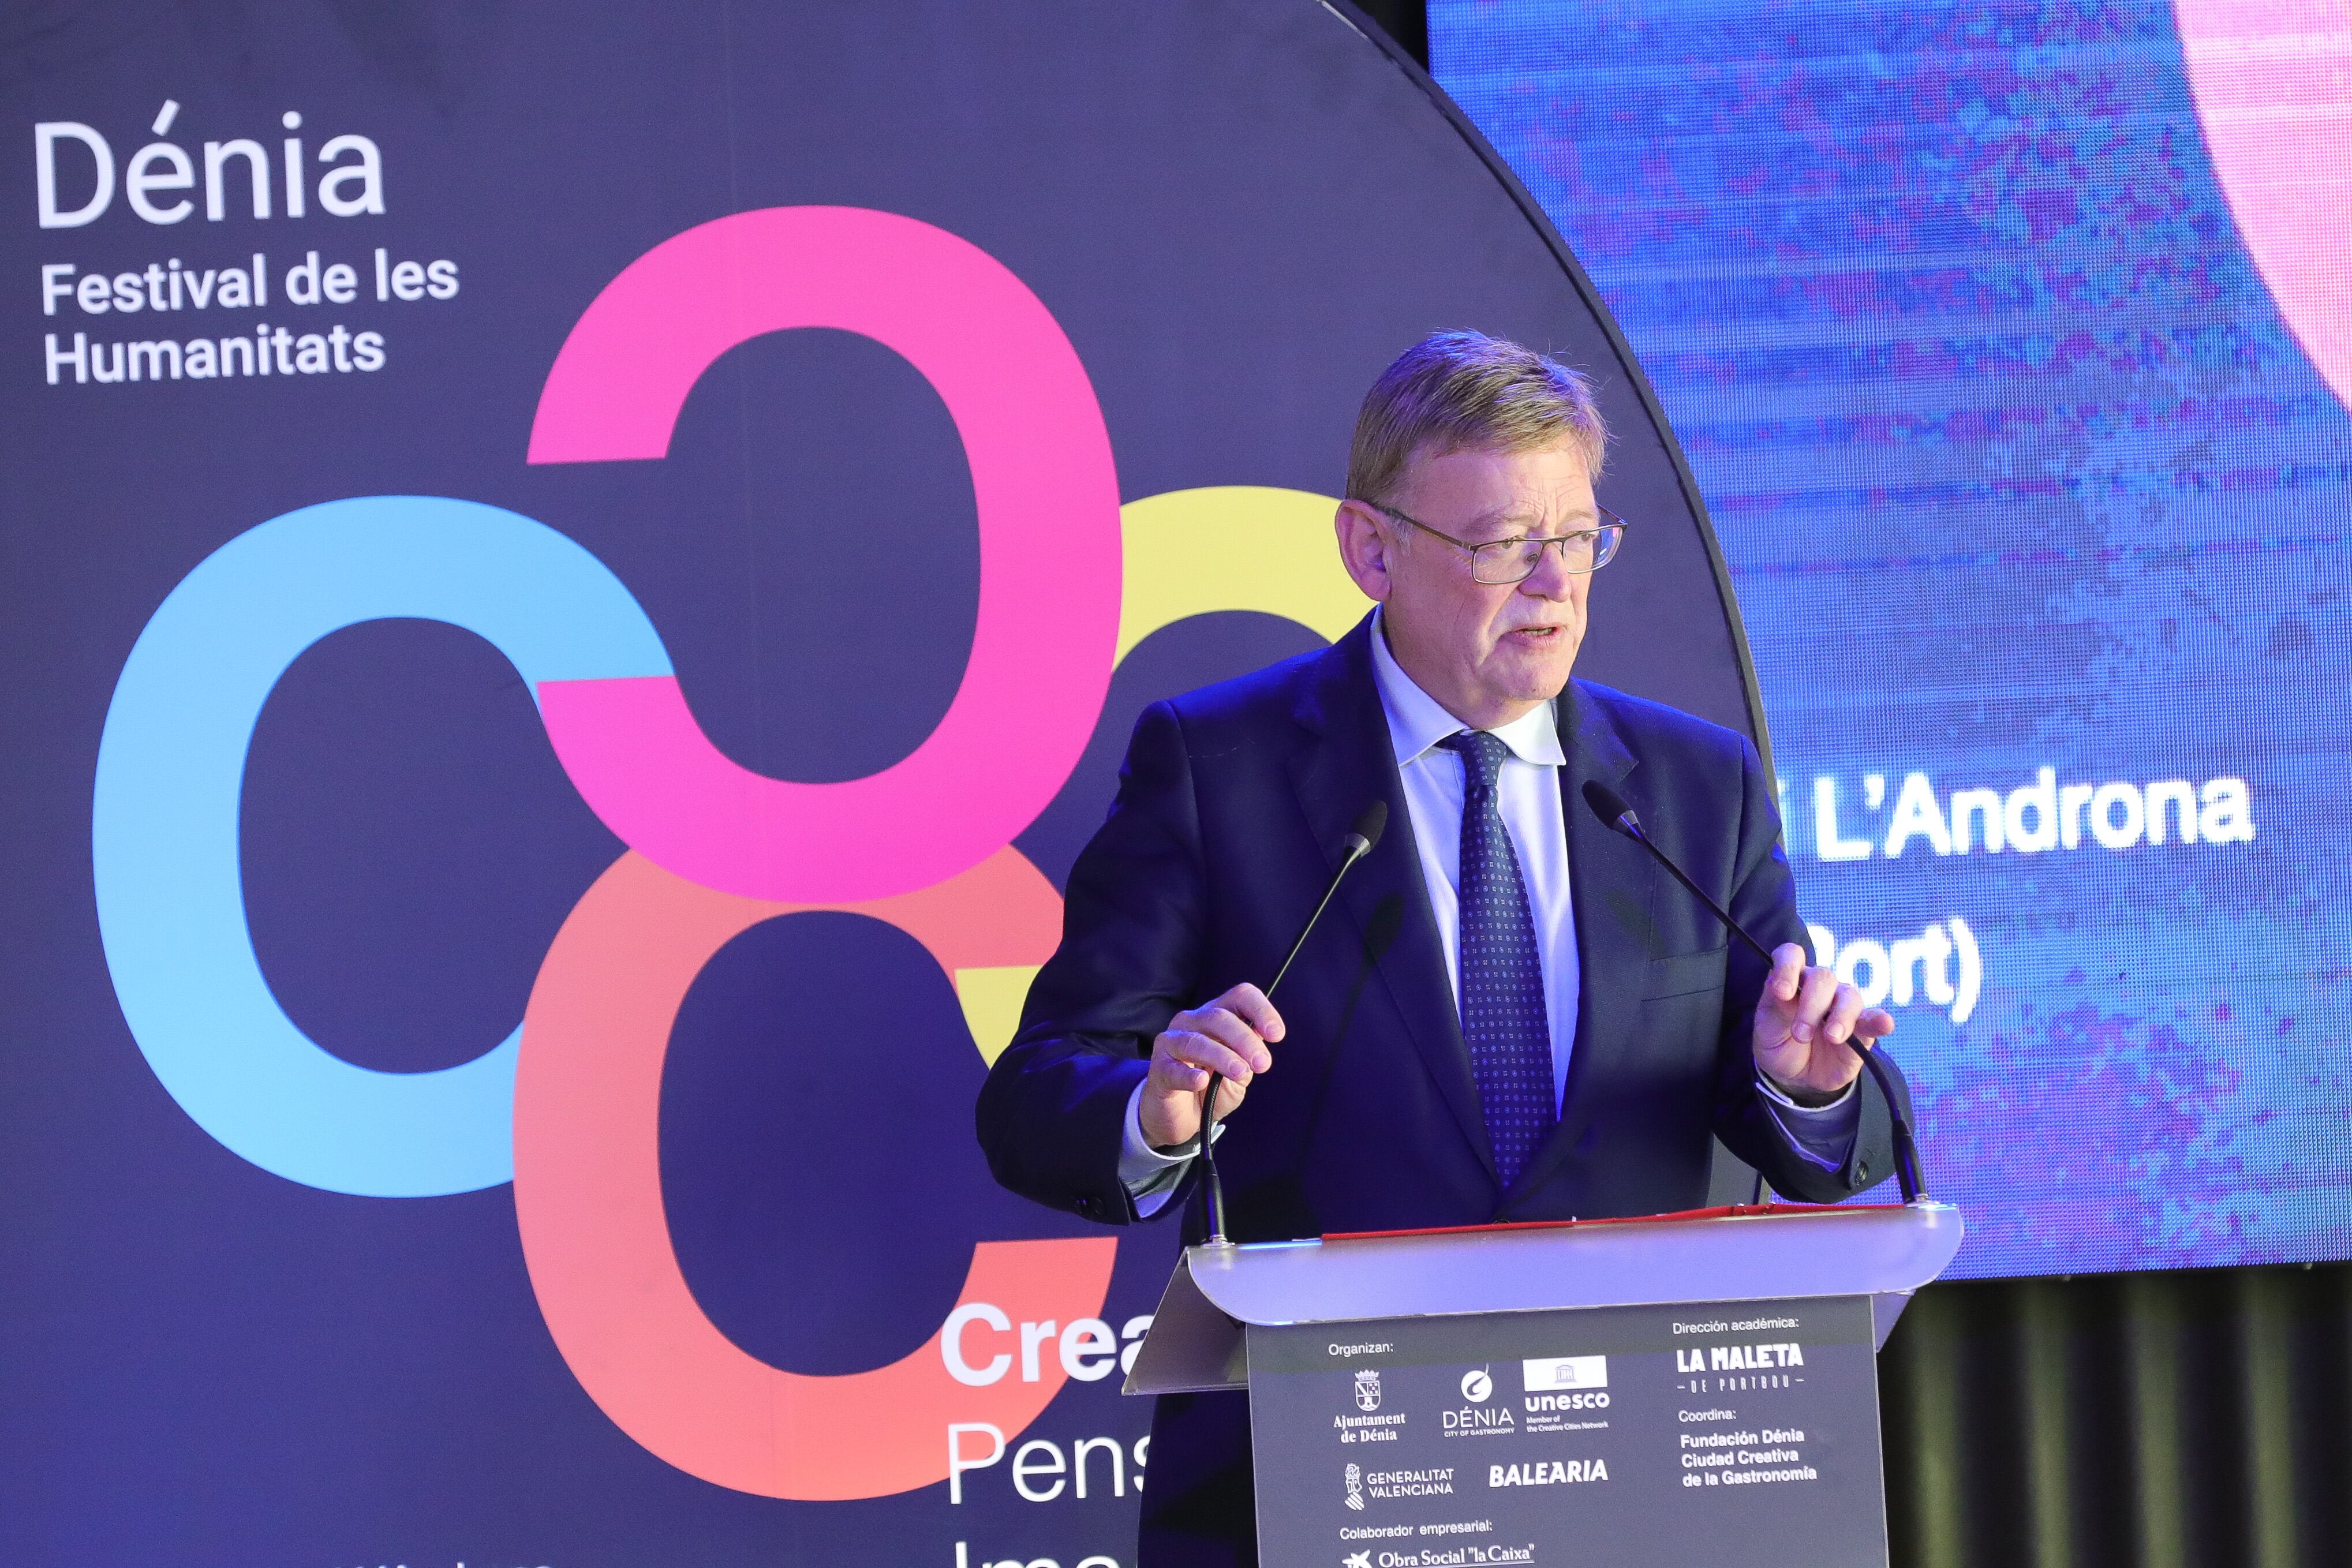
{"x":1417,"y":721}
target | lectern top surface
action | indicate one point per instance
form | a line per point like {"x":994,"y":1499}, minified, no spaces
{"x":1756,"y":1253}
{"x":1720,"y":1211}
{"x":1759,"y":1253}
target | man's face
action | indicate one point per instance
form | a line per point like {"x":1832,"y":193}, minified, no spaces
{"x":1488,"y":652}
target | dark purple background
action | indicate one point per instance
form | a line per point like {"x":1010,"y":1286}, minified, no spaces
{"x":1238,"y":211}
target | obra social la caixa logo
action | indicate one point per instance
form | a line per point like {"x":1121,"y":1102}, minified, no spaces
{"x":567,"y":1106}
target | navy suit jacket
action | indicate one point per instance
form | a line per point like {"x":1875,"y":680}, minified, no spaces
{"x":1231,"y":808}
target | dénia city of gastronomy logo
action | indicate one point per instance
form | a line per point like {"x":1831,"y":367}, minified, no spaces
{"x":566,"y":1107}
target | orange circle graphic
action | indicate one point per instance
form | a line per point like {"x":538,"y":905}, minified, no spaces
{"x":596,"y":1239}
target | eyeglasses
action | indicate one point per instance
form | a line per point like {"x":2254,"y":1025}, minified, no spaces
{"x":1515,"y":560}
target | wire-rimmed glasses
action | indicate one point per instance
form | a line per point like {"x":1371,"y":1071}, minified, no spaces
{"x":1503,"y":561}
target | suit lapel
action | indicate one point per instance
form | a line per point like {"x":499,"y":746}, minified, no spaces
{"x":1609,"y":888}
{"x":1339,"y":705}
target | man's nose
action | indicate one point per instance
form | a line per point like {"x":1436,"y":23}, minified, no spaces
{"x":1551,"y":579}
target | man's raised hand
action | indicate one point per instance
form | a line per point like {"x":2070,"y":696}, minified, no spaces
{"x":1808,"y":1027}
{"x":1226,"y":1038}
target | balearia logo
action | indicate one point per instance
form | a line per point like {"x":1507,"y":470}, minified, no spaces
{"x":1547,"y":1473}
{"x":1368,"y":1390}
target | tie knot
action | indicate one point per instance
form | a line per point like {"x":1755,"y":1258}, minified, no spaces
{"x":1482,"y":757}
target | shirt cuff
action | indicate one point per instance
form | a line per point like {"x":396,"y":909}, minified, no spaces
{"x":1821,"y":1133}
{"x":1150,"y":1176}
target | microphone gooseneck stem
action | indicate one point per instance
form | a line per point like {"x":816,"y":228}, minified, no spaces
{"x":1211,"y":1187}
{"x":1357,"y":849}
{"x":1357,"y":845}
{"x":1907,"y":1152}
{"x":1907,"y":1177}
{"x":1737,"y":929}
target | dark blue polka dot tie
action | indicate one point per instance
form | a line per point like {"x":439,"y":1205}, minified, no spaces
{"x":1503,"y":1022}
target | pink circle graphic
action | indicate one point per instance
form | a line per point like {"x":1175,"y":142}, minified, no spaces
{"x":2273,"y":80}
{"x":1047,"y":496}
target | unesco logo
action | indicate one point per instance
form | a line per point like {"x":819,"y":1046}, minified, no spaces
{"x":1368,"y":1391}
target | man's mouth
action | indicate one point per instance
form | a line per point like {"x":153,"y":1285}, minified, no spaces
{"x":1535,"y":633}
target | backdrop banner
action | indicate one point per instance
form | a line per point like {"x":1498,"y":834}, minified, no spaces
{"x":575,"y":582}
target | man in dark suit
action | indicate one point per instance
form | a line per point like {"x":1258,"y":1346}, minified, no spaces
{"x":1510,"y":1013}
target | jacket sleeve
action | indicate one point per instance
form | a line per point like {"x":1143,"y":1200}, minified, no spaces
{"x":1764,"y":900}
{"x":1053,"y":1112}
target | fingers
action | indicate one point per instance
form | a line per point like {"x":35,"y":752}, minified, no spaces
{"x":1817,"y":993}
{"x":1850,"y":1020}
{"x":1184,"y":1061}
{"x":1249,"y":1004}
{"x":1227,"y":1038}
{"x":1242,"y":1021}
{"x":1227,"y":1030}
{"x":1183,"y":1065}
{"x":1845,"y":1008}
{"x":1811,"y":1026}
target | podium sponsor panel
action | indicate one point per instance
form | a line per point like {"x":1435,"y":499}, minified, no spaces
{"x":1656,"y":1435}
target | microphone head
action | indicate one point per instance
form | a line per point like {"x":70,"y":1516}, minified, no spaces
{"x":1611,"y":808}
{"x":1370,"y":823}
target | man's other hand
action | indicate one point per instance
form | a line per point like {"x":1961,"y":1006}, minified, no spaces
{"x":1226,"y":1038}
{"x":1808,"y":1025}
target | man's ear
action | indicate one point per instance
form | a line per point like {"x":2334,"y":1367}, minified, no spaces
{"x":1365,"y":545}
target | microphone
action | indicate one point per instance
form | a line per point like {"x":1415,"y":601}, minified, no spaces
{"x":1611,"y":808}
{"x":1370,"y":822}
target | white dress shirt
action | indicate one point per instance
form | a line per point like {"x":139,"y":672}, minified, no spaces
{"x":1526,"y":793}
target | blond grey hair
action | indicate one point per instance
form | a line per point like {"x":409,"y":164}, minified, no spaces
{"x":1461,"y":390}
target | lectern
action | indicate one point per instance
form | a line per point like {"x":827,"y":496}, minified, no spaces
{"x":1695,"y":1389}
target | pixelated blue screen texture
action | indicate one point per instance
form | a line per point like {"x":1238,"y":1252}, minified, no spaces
{"x":2011,"y":345}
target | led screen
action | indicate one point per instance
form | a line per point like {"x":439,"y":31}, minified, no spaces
{"x":2011,"y":346}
